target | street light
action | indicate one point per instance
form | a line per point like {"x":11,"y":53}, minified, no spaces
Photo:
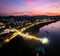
{"x":44,"y":40}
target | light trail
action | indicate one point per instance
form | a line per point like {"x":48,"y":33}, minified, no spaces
{"x":26,"y":36}
{"x":17,"y":32}
{"x":12,"y":36}
{"x":9,"y":38}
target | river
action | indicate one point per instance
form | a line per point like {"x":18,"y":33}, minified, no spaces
{"x":52,"y":32}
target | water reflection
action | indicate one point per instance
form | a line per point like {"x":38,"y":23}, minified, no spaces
{"x":51,"y":31}
{"x":51,"y":28}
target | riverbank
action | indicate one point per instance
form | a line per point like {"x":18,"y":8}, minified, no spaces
{"x":34,"y":29}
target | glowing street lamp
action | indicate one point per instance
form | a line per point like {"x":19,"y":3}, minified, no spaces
{"x":44,"y":40}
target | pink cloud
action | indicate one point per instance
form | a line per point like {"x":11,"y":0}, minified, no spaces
{"x":31,"y":2}
{"x":49,"y":7}
{"x":56,"y":5}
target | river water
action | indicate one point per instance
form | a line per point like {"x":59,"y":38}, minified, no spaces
{"x":52,"y":32}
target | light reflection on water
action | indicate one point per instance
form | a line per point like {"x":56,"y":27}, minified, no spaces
{"x":53,"y":28}
{"x":52,"y":32}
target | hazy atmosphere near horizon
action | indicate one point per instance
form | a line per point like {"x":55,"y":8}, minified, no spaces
{"x":29,"y":7}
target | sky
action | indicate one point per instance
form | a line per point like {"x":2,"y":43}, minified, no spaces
{"x":29,"y":7}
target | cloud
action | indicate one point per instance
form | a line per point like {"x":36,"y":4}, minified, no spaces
{"x":52,"y":14}
{"x":29,"y":13}
{"x":22,"y":13}
{"x":56,"y":5}
{"x":31,"y":2}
